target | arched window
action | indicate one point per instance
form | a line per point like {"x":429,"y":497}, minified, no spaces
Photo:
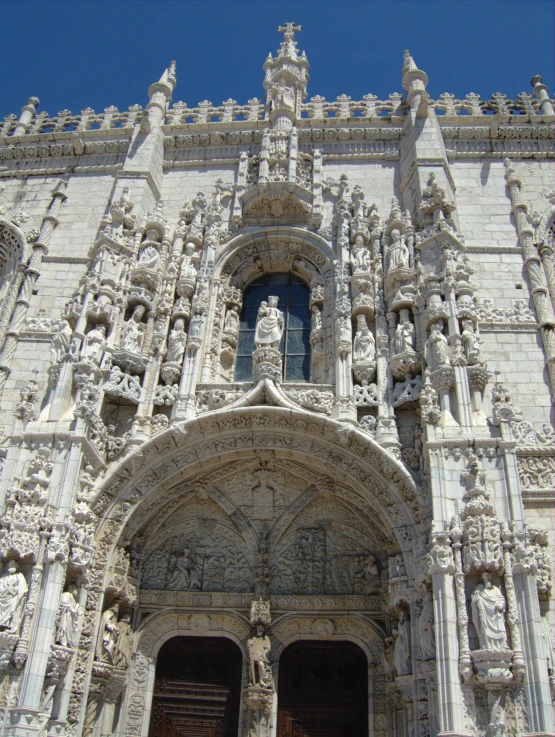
{"x":294,"y":297}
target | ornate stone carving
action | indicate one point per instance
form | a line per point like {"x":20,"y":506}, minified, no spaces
{"x":13,"y":595}
{"x":488,"y":607}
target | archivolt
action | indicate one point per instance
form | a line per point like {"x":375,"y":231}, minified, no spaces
{"x":134,"y":489}
{"x":263,"y":251}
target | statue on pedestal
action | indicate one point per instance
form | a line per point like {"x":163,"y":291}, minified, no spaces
{"x":269,"y":324}
{"x":488,"y":607}
{"x":13,"y":593}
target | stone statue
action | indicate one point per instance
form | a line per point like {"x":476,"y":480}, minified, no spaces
{"x":360,"y":258}
{"x":60,"y":342}
{"x":398,"y":251}
{"x":94,"y":345}
{"x":124,"y":644}
{"x":107,"y":635}
{"x":133,"y":331}
{"x":177,"y":340}
{"x":425,"y":629}
{"x":259,"y":650}
{"x":369,"y":575}
{"x":488,"y":606}
{"x":437,"y":348}
{"x":269,"y":324}
{"x":404,"y":336}
{"x":185,"y":570}
{"x":283,"y":97}
{"x":232,"y":320}
{"x":67,"y":633}
{"x":149,"y":258}
{"x":364,"y":346}
{"x":388,"y":657}
{"x":402,"y":655}
{"x":471,"y":343}
{"x":189,"y":263}
{"x":316,"y":319}
{"x":13,"y":593}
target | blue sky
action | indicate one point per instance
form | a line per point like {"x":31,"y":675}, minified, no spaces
{"x":75,"y":54}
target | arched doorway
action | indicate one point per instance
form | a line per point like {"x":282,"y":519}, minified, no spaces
{"x":197,"y":689}
{"x":323,"y":690}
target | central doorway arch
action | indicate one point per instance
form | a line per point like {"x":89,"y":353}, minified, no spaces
{"x":323,"y":690}
{"x":197,"y":689}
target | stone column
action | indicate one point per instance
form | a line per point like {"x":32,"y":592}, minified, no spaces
{"x":40,"y":249}
{"x":544,"y":310}
{"x":450,"y":717}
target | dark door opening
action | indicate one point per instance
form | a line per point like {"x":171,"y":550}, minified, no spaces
{"x":323,"y":690}
{"x":197,"y":688}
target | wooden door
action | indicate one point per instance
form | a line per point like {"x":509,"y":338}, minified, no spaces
{"x":323,"y":691}
{"x":197,"y":688}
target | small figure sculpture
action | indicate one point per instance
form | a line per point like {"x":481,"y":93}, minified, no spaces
{"x":177,"y":340}
{"x":13,"y":592}
{"x":94,"y":345}
{"x":488,"y":605}
{"x":398,"y":251}
{"x":259,"y":650}
{"x":60,"y":342}
{"x":404,"y":335}
{"x":186,"y":571}
{"x":471,"y":343}
{"x":369,"y":575}
{"x":437,"y":348}
{"x":425,"y":629}
{"x":316,"y":319}
{"x":133,"y":331}
{"x":232,"y":320}
{"x":189,"y":263}
{"x":402,"y":656}
{"x":360,"y":257}
{"x":149,"y":258}
{"x":388,"y":657}
{"x":107,"y":635}
{"x":68,"y":619}
{"x":269,"y":324}
{"x":364,"y":346}
{"x":124,"y":644}
{"x":283,"y":97}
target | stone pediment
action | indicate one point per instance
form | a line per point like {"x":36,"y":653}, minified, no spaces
{"x":277,"y":203}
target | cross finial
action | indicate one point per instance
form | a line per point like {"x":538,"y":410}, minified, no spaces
{"x":289,"y":30}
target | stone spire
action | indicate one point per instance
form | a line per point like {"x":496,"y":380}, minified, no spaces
{"x":415,"y":82}
{"x":160,"y":94}
{"x":286,"y":77}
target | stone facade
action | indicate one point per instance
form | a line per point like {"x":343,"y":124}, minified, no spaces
{"x":396,"y":493}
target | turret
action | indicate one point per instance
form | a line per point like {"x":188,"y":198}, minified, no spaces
{"x":286,"y":78}
{"x":160,"y":94}
{"x":540,"y":91}
{"x":28,"y":112}
{"x":415,"y":82}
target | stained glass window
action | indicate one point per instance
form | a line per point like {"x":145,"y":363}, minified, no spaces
{"x":294,"y":297}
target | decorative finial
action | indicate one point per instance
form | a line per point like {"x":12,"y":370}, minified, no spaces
{"x":289,"y":30}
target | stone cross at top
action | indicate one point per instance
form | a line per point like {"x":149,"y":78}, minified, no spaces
{"x":289,"y":30}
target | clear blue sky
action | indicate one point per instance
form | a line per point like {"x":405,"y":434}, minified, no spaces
{"x":75,"y":54}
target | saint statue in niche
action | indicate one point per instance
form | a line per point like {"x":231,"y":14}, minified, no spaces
{"x":437,"y":348}
{"x":488,"y":606}
{"x":283,"y":97}
{"x":13,"y":593}
{"x":269,"y":324}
